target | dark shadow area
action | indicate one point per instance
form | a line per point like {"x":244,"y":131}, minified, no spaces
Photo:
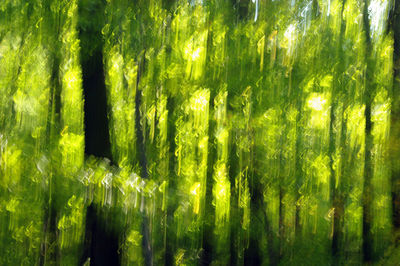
{"x":394,"y":25}
{"x":141,"y":149}
{"x":242,"y":8}
{"x":97,"y":138}
{"x":141,"y":155}
{"x":101,"y":242}
{"x":367,"y":238}
{"x":91,"y":21}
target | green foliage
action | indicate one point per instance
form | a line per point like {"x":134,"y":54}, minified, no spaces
{"x":241,"y":132}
